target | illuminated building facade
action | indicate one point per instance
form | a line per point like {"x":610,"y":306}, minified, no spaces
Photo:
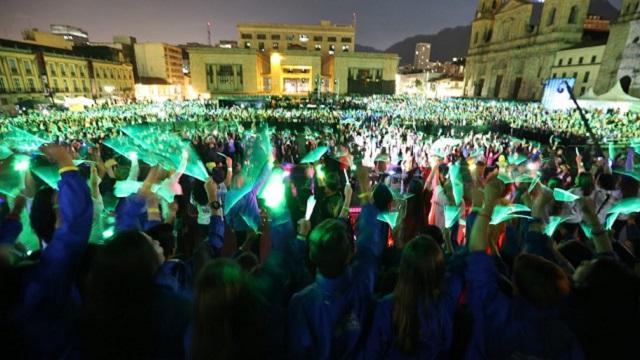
{"x":514,"y":43}
{"x":161,"y":61}
{"x":293,"y":60}
{"x":29,"y":71}
{"x":325,"y":38}
{"x":580,"y":63}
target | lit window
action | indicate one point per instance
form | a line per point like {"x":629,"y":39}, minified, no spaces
{"x":303,"y":38}
{"x":345,"y":48}
{"x":247,"y":44}
{"x":318,"y":47}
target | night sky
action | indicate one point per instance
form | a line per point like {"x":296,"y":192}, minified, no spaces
{"x":380,"y":22}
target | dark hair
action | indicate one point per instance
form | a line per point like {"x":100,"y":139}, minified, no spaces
{"x":198,"y":193}
{"x":330,"y":247}
{"x":420,"y":279}
{"x":575,"y":252}
{"x":42,"y":215}
{"x":229,"y":321}
{"x":540,"y":281}
{"x":382,"y":197}
{"x":118,"y":318}
{"x":163,"y":233}
{"x":415,"y":218}
{"x":607,"y":182}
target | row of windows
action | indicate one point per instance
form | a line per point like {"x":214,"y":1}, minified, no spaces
{"x":113,"y":74}
{"x":635,"y":7}
{"x":292,"y":37}
{"x":17,"y":85}
{"x":585,"y":77}
{"x":594,"y":58}
{"x":74,"y":70}
{"x":276,"y":46}
{"x":14,"y":68}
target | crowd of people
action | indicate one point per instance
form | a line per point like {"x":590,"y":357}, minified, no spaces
{"x":374,"y":228}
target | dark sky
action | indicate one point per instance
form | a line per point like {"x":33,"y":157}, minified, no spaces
{"x":380,"y":22}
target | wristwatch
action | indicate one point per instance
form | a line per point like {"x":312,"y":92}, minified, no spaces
{"x":215,"y":205}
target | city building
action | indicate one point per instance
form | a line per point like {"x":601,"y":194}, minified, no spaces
{"x":221,"y":71}
{"x":325,"y":38}
{"x":39,"y":72}
{"x":37,"y":37}
{"x":621,"y":60}
{"x":580,"y":63}
{"x":514,"y":43}
{"x":127,"y":45}
{"x":422,"y":56}
{"x":71,"y":33}
{"x":159,"y":61}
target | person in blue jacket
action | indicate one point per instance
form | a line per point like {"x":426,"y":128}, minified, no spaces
{"x":50,"y":299}
{"x":416,"y":321}
{"x":327,"y":319}
{"x":527,"y":324}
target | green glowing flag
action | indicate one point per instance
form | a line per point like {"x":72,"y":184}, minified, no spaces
{"x":516,"y":159}
{"x":451,"y":215}
{"x":503,"y":213}
{"x":612,"y":151}
{"x":108,"y":233}
{"x":274,"y":189}
{"x":125,"y":188}
{"x":12,"y":175}
{"x":397,"y":195}
{"x":477,"y":153}
{"x":506,"y":178}
{"x":250,"y":221}
{"x":610,"y":220}
{"x":626,"y":206}
{"x":314,"y":155}
{"x":554,"y":222}
{"x":587,"y":230}
{"x":21,"y":141}
{"x":525,"y":178}
{"x":5,"y":152}
{"x":233,"y":196}
{"x":632,"y":174}
{"x":535,"y":182}
{"x":564,"y":196}
{"x":456,"y":182}
{"x":123,"y":145}
{"x":47,"y":173}
{"x":390,"y":218}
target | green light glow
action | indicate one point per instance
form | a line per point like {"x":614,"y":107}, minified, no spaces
{"x":21,"y":165}
{"x":273,"y":191}
{"x":107,"y":233}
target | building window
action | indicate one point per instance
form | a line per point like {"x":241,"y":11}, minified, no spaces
{"x":581,"y":60}
{"x":586,"y":76}
{"x":573,"y":16}
{"x":75,"y":85}
{"x":111,"y":72}
{"x":3,"y":85}
{"x":13,"y":66}
{"x":575,"y":75}
{"x":593,"y":59}
{"x":247,"y":44}
{"x":261,"y":36}
{"x":17,"y":84}
{"x":246,"y":36}
{"x":554,"y":75}
{"x":303,"y":38}
{"x":582,"y":90}
{"x":290,"y":37}
{"x":63,"y":70}
{"x":317,"y":38}
{"x":332,"y":49}
{"x":552,"y":17}
{"x":52,"y":69}
{"x":32,"y":84}
{"x":345,"y":48}
{"x":66,"y":85}
{"x":318,"y":47}
{"x":98,"y":73}
{"x":560,"y":62}
{"x":261,"y":46}
{"x":55,"y":84}
{"x":475,"y":38}
{"x":637,"y":39}
{"x":346,"y":40}
{"x":276,"y":45}
{"x":564,"y":75}
{"x":73,"y":69}
{"x":570,"y":61}
{"x":331,"y":39}
{"x":84,"y":85}
{"x":275,"y":37}
{"x":27,"y":67}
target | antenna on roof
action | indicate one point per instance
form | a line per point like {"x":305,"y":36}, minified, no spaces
{"x":209,"y":32}
{"x":353,"y":20}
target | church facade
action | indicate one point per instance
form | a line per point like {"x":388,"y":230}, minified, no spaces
{"x":514,"y":44}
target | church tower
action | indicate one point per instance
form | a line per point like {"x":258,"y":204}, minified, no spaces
{"x":621,"y":60}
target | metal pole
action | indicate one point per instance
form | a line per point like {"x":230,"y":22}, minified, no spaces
{"x":585,"y":122}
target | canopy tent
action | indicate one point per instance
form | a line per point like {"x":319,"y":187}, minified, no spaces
{"x":80,"y":100}
{"x":615,"y":98}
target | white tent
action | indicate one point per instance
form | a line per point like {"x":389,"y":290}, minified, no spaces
{"x":615,"y":98}
{"x":80,"y":100}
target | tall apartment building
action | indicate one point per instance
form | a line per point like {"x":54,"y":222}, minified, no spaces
{"x":159,"y":61}
{"x":422,"y":56}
